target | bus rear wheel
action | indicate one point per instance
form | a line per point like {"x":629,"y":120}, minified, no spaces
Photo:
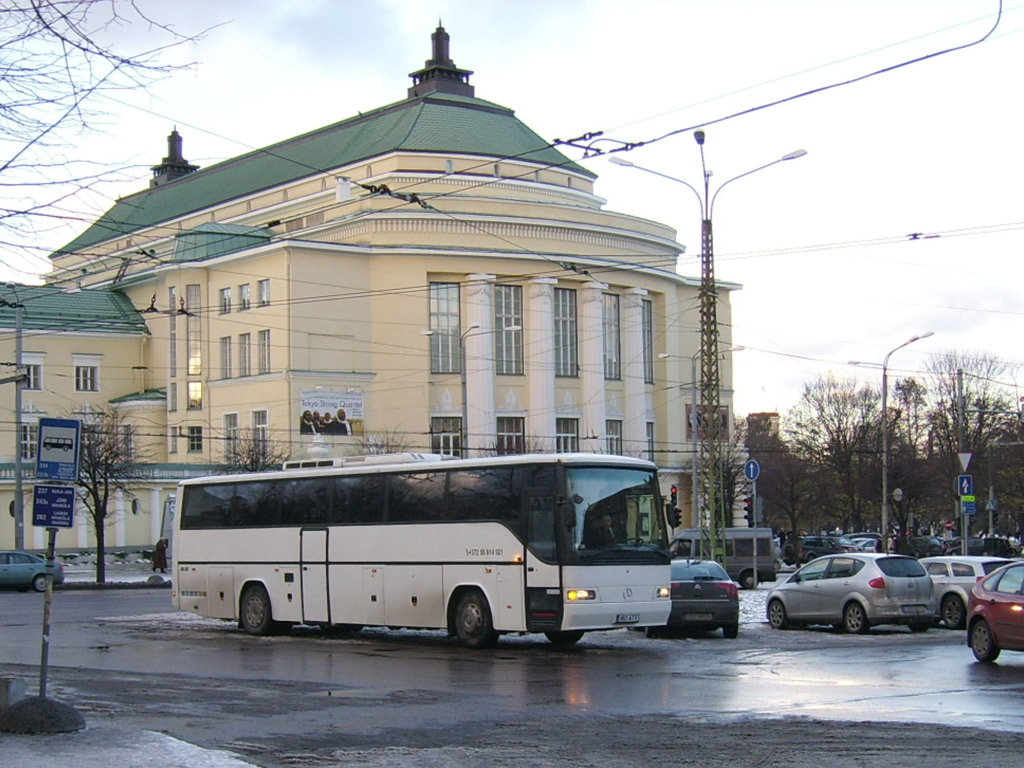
{"x":564,"y":639}
{"x":473,"y":624}
{"x":255,"y":614}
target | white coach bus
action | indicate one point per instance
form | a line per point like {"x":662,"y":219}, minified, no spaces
{"x":555,"y":543}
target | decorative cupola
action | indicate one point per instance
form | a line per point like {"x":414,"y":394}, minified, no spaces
{"x":440,"y":73}
{"x":174,"y":165}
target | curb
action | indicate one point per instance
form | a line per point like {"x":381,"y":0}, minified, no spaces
{"x":82,"y":585}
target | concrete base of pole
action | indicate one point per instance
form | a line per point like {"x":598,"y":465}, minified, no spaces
{"x":35,"y":714}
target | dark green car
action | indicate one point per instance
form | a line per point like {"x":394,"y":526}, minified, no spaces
{"x":24,"y":571}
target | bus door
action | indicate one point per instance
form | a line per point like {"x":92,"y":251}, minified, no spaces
{"x":313,"y":553}
{"x":543,"y":581}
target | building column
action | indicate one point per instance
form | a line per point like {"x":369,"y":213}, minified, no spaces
{"x":156,"y":515}
{"x":119,"y":521}
{"x":81,"y":521}
{"x":477,"y":349}
{"x":634,"y":428}
{"x":591,"y":335}
{"x":539,"y":316}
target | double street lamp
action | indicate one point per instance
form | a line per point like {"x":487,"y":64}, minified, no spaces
{"x":710,"y":380}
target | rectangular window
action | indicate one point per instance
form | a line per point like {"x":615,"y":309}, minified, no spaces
{"x":29,"y":440}
{"x":245,"y":354}
{"x":172,"y":439}
{"x":263,"y":342}
{"x":231,"y":438}
{"x":86,"y":378}
{"x":565,"y":332}
{"x":32,"y":365}
{"x":172,"y":334}
{"x":172,"y":397}
{"x":445,"y":349}
{"x":225,"y":301}
{"x":225,"y":357}
{"x":446,"y":435}
{"x":650,"y":441}
{"x":263,"y":292}
{"x":33,"y":376}
{"x":508,"y":345}
{"x":647,"y":316}
{"x":195,"y":439}
{"x":261,"y":427}
{"x":87,"y":372}
{"x":195,"y":395}
{"x":613,"y":431}
{"x":193,"y":306}
{"x":244,"y":297}
{"x":612,"y":352}
{"x":511,"y":435}
{"x":567,"y":435}
{"x":128,"y":442}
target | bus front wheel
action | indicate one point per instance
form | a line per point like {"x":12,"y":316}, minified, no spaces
{"x":473,"y":624}
{"x":255,"y":615}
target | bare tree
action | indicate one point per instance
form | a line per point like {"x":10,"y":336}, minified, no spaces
{"x":834,"y":427}
{"x":989,"y":413}
{"x":379,"y":443}
{"x":57,"y":57}
{"x":109,"y":462}
{"x":252,"y":450}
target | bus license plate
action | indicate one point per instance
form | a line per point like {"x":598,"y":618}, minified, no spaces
{"x":627,"y":618}
{"x":698,"y":616}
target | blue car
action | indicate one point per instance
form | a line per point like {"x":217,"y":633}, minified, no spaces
{"x":23,"y":570}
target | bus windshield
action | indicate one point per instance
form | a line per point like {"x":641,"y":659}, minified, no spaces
{"x":614,"y":513}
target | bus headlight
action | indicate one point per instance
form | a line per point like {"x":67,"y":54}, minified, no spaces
{"x":581,"y":594}
{"x":664,"y":592}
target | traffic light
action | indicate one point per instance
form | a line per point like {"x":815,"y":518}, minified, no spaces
{"x":673,"y":508}
{"x":748,"y":511}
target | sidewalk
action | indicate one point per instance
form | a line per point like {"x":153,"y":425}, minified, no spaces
{"x":136,"y":573}
{"x":107,"y":746}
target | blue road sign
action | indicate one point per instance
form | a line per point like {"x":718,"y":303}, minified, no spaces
{"x":991,"y":505}
{"x":752,"y":470}
{"x":969,"y":507}
{"x":53,"y":506}
{"x":59,"y":444}
{"x":965,"y":485}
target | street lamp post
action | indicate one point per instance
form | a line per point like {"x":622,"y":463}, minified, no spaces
{"x":885,"y":436}
{"x":710,"y":380}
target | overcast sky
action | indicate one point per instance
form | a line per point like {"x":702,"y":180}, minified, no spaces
{"x":821,"y":245}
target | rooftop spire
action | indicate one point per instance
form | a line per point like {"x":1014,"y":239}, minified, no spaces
{"x":439,"y":72}
{"x":174,"y":165}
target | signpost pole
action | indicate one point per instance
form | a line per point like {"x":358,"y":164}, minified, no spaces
{"x":47,"y":601}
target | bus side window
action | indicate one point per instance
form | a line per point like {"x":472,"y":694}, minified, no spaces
{"x":358,"y":499}
{"x":416,"y":497}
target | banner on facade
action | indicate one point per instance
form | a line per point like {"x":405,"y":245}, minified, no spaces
{"x":325,"y":412}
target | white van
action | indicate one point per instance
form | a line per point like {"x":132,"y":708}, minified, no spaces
{"x":739,"y":552}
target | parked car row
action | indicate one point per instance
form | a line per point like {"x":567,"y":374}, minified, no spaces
{"x":811,"y":547}
{"x":855,"y":591}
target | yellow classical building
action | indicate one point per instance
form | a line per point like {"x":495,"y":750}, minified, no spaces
{"x":430,"y":276}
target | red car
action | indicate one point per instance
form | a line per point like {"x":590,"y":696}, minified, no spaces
{"x":996,"y":613}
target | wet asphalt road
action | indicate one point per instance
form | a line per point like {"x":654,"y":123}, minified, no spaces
{"x":123,"y":656}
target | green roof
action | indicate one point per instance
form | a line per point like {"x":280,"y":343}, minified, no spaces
{"x":46,"y":308}
{"x":151,"y":395}
{"x":434,"y":122}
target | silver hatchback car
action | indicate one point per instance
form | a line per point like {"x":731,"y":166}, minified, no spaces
{"x":855,"y":591}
